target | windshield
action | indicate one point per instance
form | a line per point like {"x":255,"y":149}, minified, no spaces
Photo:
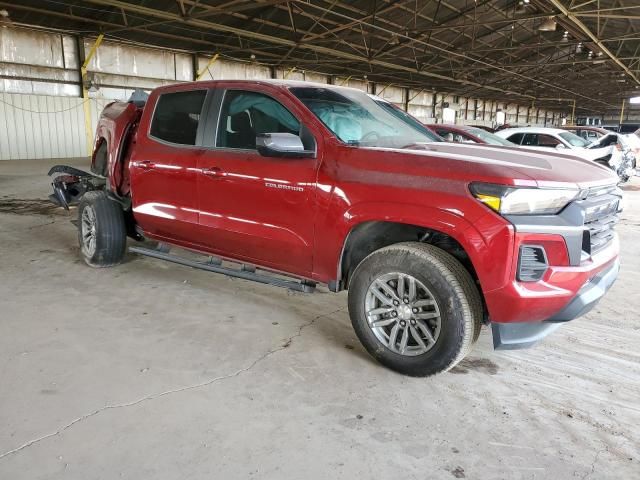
{"x":358,"y":119}
{"x":489,"y":138}
{"x":573,"y":139}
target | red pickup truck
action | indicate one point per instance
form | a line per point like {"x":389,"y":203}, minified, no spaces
{"x":324,"y":184}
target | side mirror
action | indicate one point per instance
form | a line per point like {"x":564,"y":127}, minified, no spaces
{"x":286,"y":145}
{"x":560,"y":146}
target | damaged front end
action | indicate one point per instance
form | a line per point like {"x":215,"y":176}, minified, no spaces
{"x":70,"y":184}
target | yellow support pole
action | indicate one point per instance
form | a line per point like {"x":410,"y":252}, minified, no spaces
{"x":85,"y":94}
{"x":211,"y":61}
{"x":573,"y":113}
{"x":291,"y":70}
{"x":345,"y":81}
{"x":622,"y":112}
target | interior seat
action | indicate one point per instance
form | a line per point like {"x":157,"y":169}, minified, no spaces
{"x":242,"y":134}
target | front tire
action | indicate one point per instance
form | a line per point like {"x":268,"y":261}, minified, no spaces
{"x":101,"y":230}
{"x":415,"y":308}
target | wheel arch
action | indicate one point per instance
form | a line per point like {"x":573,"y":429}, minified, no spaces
{"x":371,"y":235}
{"x":376,"y":225}
{"x":100,"y":158}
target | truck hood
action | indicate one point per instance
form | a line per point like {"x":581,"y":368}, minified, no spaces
{"x":515,"y":165}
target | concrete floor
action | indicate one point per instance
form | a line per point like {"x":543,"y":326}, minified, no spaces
{"x":153,"y":370}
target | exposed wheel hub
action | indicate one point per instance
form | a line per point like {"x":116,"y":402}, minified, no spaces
{"x":404,"y":312}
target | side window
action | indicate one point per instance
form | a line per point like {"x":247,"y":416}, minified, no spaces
{"x":465,"y":139}
{"x":516,"y":138}
{"x":547,"y":141}
{"x":245,"y":114}
{"x":177,"y":115}
{"x":445,"y":135}
{"x":530,"y":140}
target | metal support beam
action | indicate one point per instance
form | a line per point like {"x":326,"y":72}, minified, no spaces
{"x":211,"y":61}
{"x":85,"y":93}
{"x":289,"y":72}
{"x":578,"y":23}
{"x":387,"y":86}
{"x":322,"y":50}
{"x":345,"y":81}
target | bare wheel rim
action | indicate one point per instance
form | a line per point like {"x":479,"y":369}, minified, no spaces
{"x":403,"y":314}
{"x":88,"y":230}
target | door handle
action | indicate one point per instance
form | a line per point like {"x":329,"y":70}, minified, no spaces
{"x":214,"y":172}
{"x":146,"y":164}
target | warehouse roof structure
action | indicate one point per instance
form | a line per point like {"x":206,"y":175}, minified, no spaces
{"x":551,"y":52}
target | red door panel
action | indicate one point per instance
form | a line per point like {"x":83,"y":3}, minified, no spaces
{"x":163,"y":165}
{"x":258,"y":208}
{"x":163,"y":181}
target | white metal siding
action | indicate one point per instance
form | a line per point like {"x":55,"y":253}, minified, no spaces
{"x":38,"y":126}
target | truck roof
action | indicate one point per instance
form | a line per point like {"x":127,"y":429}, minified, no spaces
{"x":266,"y":81}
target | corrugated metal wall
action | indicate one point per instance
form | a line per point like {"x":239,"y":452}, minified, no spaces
{"x":40,"y":126}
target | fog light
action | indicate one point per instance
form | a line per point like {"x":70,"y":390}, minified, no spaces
{"x":532,"y":263}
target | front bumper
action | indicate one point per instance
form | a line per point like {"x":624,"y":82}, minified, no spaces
{"x":510,"y":336}
{"x":582,"y":263}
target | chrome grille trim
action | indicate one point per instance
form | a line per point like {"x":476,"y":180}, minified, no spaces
{"x":601,"y":216}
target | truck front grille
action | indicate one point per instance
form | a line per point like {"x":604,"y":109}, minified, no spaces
{"x":600,"y":219}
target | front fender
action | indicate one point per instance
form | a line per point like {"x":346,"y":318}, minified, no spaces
{"x":486,"y":238}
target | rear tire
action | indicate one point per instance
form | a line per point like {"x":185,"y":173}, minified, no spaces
{"x":423,"y":293}
{"x":101,"y":230}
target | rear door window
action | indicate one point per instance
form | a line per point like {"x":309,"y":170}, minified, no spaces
{"x":177,"y":116}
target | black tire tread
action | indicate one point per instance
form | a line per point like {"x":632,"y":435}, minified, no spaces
{"x":111,"y":232}
{"x":461,"y":283}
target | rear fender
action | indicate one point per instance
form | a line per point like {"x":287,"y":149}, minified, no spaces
{"x":117,"y":123}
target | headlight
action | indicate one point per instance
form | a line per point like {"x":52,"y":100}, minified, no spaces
{"x":523,"y":200}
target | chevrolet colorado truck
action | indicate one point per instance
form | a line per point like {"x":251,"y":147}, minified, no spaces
{"x":304,"y":183}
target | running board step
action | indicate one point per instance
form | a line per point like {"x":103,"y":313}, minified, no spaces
{"x":246,"y":272}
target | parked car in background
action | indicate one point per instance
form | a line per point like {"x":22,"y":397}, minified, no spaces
{"x":634,"y":143}
{"x":589,"y":133}
{"x":628,"y":127}
{"x":468,"y":134}
{"x":484,"y":127}
{"x":505,"y":126}
{"x":627,"y":145}
{"x":602,"y":151}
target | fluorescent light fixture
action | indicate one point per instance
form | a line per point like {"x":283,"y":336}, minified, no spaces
{"x":634,"y":100}
{"x":548,"y":25}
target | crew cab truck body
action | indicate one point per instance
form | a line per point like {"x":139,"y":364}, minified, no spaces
{"x":330,"y":185}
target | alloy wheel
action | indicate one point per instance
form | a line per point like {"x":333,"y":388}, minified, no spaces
{"x":88,"y":229}
{"x":403,"y":314}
